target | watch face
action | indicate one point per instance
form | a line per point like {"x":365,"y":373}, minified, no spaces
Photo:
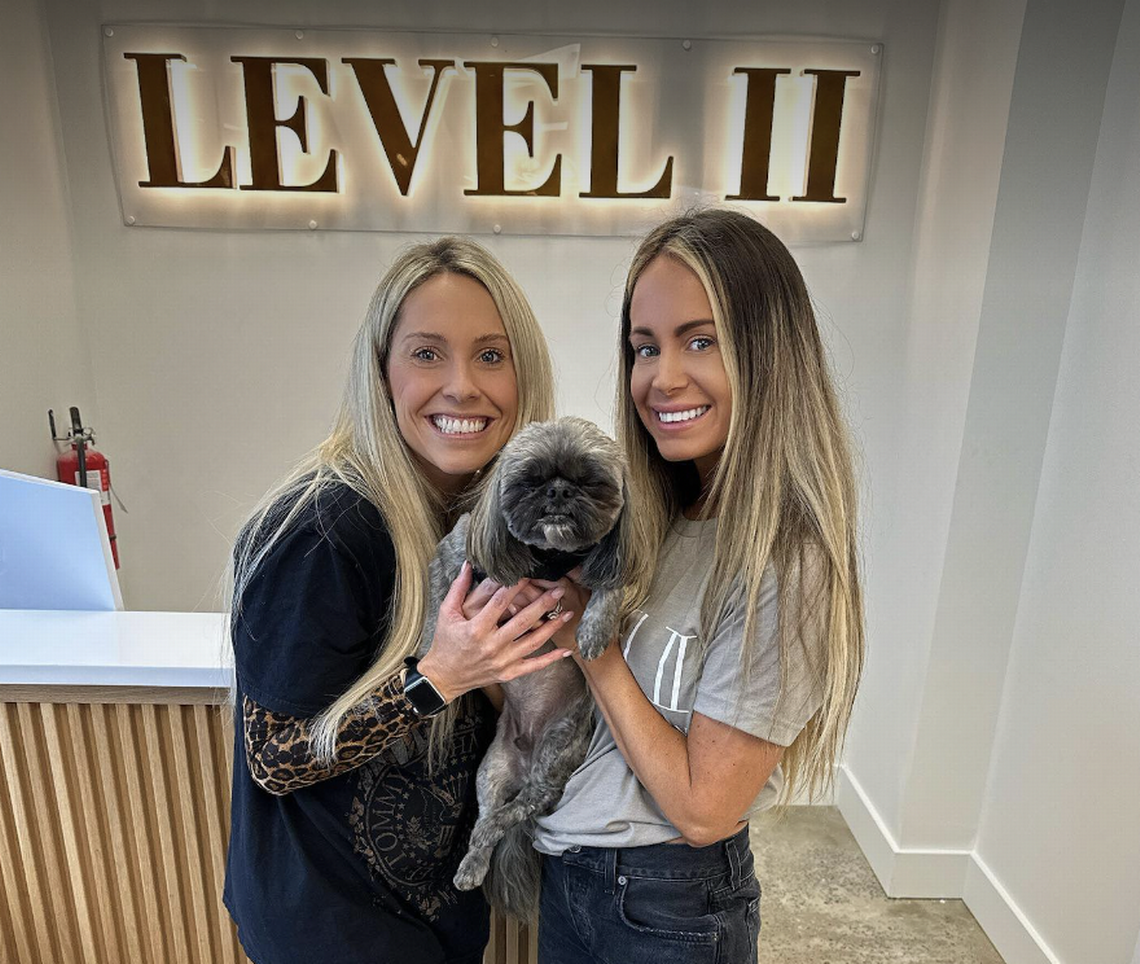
{"x":423,"y":696}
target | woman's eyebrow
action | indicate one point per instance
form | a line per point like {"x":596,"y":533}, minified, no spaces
{"x":679,"y":330}
{"x":492,"y":336}
{"x":424,"y":336}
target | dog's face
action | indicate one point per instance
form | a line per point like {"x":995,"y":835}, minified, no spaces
{"x":560,"y":485}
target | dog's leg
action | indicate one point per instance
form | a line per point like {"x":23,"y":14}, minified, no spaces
{"x":560,"y":751}
{"x":496,"y":786}
{"x":599,"y":622}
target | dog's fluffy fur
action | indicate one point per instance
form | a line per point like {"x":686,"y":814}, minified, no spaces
{"x":558,"y":488}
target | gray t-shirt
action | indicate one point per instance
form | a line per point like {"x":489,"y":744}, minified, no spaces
{"x":604,"y":804}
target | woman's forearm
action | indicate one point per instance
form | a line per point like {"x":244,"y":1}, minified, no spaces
{"x":655,"y":750}
{"x":703,"y":780}
{"x":279,"y":747}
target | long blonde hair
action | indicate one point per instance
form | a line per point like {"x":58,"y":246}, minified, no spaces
{"x":783,"y":490}
{"x":367,"y":452}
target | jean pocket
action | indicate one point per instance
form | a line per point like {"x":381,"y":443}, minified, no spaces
{"x":675,"y":910}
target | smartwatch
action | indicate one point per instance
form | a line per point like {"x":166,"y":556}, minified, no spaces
{"x":426,"y":700}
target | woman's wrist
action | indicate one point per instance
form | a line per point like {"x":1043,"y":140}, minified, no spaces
{"x":439,"y":678}
{"x":600,"y":666}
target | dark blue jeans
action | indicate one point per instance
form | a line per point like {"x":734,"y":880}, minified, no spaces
{"x":660,"y":904}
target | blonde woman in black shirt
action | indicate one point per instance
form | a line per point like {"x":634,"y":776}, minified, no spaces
{"x":346,"y":828}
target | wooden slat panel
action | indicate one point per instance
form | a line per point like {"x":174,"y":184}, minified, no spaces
{"x":173,"y":895}
{"x":532,"y":945}
{"x":512,"y":942}
{"x":46,"y":832}
{"x":76,"y":864}
{"x":190,"y":845}
{"x":15,"y":912}
{"x":112,"y":805}
{"x":113,"y":827}
{"x":96,"y":835}
{"x":215,"y":791}
{"x":144,"y":848}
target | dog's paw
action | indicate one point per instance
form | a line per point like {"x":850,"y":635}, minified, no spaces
{"x":591,"y":642}
{"x":471,"y":872}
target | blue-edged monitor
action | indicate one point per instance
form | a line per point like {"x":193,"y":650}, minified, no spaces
{"x":54,"y":550}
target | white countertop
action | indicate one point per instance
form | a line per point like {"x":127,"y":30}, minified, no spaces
{"x":58,"y":648}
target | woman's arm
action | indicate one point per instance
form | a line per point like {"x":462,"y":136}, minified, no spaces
{"x":703,"y":782}
{"x":473,"y":652}
{"x":279,"y":750}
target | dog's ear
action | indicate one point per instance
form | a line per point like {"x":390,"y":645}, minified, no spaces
{"x":490,"y":545}
{"x":604,"y":567}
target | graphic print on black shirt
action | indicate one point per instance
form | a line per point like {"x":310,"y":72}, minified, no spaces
{"x":412,"y":830}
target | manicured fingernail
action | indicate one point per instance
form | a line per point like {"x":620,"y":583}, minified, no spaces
{"x":514,"y":609}
{"x":566,"y":616}
{"x":566,"y":653}
{"x":557,"y":593}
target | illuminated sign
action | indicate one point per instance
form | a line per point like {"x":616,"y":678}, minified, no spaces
{"x":473,"y":133}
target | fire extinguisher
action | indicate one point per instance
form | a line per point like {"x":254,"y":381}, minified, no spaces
{"x":84,"y":465}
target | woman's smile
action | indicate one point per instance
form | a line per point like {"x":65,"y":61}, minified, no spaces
{"x":460,"y":427}
{"x":673,"y":420}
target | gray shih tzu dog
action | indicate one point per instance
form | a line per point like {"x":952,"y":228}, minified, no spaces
{"x":555,"y":499}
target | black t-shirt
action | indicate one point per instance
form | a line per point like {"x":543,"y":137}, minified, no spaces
{"x":355,"y":869}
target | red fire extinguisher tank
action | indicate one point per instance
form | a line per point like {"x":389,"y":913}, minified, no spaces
{"x":98,"y":471}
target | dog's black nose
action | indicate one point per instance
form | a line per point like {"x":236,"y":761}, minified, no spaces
{"x":558,"y":490}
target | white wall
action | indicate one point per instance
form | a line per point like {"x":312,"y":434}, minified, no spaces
{"x":44,"y":361}
{"x":1055,"y":111}
{"x":993,"y":751}
{"x":230,"y":347}
{"x":912,"y":494}
{"x":1059,"y":826}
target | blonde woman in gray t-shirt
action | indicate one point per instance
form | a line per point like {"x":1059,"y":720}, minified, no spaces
{"x":732,"y":683}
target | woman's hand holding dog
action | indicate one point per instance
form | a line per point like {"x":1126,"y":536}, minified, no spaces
{"x":575,"y":599}
{"x":472,"y":651}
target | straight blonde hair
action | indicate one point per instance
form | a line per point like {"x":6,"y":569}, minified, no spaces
{"x":366,"y":452}
{"x":783,"y":490}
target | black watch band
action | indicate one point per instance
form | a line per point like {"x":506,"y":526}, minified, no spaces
{"x":426,"y":700}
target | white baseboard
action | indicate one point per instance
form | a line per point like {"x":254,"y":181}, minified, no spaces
{"x":957,"y":874}
{"x":902,"y":873}
{"x":1010,"y":931}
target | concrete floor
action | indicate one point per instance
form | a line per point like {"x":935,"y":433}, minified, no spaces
{"x":822,"y":903}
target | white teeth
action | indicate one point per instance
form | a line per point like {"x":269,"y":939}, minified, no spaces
{"x":458,"y":426}
{"x":683,"y":416}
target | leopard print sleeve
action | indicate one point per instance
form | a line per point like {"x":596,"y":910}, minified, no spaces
{"x":280,"y":754}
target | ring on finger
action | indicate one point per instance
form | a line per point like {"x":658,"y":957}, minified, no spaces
{"x":556,"y":611}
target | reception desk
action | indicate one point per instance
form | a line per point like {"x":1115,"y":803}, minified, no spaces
{"x":115,"y":756}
